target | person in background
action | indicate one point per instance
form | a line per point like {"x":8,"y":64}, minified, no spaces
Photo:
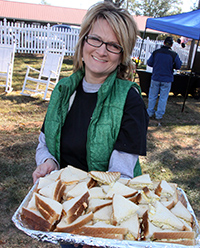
{"x":96,"y":118}
{"x":163,"y":61}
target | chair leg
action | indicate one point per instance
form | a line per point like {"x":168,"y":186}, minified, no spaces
{"x":46,"y":90}
{"x":8,"y":88}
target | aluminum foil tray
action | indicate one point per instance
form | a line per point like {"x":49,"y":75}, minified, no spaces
{"x":59,"y":238}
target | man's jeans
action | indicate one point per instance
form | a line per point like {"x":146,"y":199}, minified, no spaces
{"x":158,"y":87}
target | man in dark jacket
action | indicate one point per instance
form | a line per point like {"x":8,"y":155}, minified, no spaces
{"x":163,"y":61}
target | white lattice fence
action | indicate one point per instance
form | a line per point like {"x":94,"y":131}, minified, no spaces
{"x":36,"y":38}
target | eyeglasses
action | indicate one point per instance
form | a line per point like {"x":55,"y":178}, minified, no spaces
{"x":97,"y":42}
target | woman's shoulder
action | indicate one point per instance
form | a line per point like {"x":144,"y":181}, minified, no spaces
{"x":134,"y":97}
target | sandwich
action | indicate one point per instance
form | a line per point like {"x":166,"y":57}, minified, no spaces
{"x":41,"y":213}
{"x":150,"y":232}
{"x":162,"y":217}
{"x":103,"y":215}
{"x":102,"y":230}
{"x":54,"y":175}
{"x":54,"y":190}
{"x":121,"y":189}
{"x":107,"y":177}
{"x":50,"y":209}
{"x":136,"y":198}
{"x":33,"y":218}
{"x":97,"y":192}
{"x":96,"y":204}
{"x":140,"y":182}
{"x":63,"y":226}
{"x":133,"y":226}
{"x":168,"y":204}
{"x":184,"y":238}
{"x":147,"y":227}
{"x":182,"y":212}
{"x":77,"y":190}
{"x":167,"y":191}
{"x":148,"y":196}
{"x":75,"y":207}
{"x":80,"y":173}
{"x":68,"y":176}
{"x":44,"y":181}
{"x":122,"y":209}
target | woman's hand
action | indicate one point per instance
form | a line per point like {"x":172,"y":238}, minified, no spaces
{"x":43,"y":169}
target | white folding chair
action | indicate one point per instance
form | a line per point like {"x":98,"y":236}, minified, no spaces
{"x":47,"y":76}
{"x":7,"y":55}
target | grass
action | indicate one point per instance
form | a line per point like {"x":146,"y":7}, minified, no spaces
{"x":173,"y":149}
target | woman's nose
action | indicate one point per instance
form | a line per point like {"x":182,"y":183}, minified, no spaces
{"x":102,"y":49}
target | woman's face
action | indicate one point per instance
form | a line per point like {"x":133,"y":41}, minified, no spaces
{"x":99,"y":62}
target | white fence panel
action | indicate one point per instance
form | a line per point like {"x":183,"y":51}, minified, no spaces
{"x":36,"y":38}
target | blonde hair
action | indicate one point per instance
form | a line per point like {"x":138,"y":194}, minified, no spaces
{"x":123,"y":26}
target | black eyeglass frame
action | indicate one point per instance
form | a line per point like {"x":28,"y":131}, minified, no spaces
{"x":103,"y":42}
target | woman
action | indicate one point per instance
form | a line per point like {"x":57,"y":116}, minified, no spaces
{"x":96,"y":119}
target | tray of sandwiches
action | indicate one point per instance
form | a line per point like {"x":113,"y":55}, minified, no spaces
{"x":101,"y":209}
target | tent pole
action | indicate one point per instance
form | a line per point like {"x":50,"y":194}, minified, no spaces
{"x":142,"y":43}
{"x":189,"y":80}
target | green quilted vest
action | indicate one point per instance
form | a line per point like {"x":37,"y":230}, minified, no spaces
{"x":105,"y":123}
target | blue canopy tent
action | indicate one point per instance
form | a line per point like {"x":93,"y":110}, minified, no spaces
{"x":185,"y":24}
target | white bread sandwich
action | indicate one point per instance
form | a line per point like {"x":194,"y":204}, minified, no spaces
{"x":102,"y":230}
{"x":122,"y":209}
{"x":120,"y":189}
{"x":69,"y":177}
{"x":73,"y":208}
{"x":63,"y":226}
{"x":167,"y":191}
{"x":50,"y":209}
{"x":107,"y":177}
{"x":150,"y":232}
{"x":177,"y":237}
{"x":96,"y":204}
{"x":53,"y":190}
{"x":133,"y":226}
{"x":77,"y":190}
{"x":80,"y":173}
{"x":162,"y":217}
{"x":148,"y":196}
{"x":168,"y":204}
{"x":103,"y":215}
{"x":43,"y":181}
{"x":34,"y":220}
{"x":140,"y":182}
{"x":182,"y":212}
{"x":147,"y":227}
{"x":97,"y":192}
{"x":54,"y":175}
{"x":136,"y":198}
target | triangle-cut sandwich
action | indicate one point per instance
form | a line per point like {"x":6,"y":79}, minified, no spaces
{"x":102,"y":230}
{"x":122,"y":209}
{"x":103,"y":215}
{"x":120,"y":189}
{"x":73,"y":208}
{"x":133,"y":226}
{"x":167,"y":191}
{"x":53,"y":190}
{"x":182,"y":212}
{"x":162,"y":217}
{"x":107,"y":177}
{"x":140,"y":182}
{"x":63,"y":226}
{"x":50,"y":209}
{"x":150,"y":232}
{"x":96,"y":204}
